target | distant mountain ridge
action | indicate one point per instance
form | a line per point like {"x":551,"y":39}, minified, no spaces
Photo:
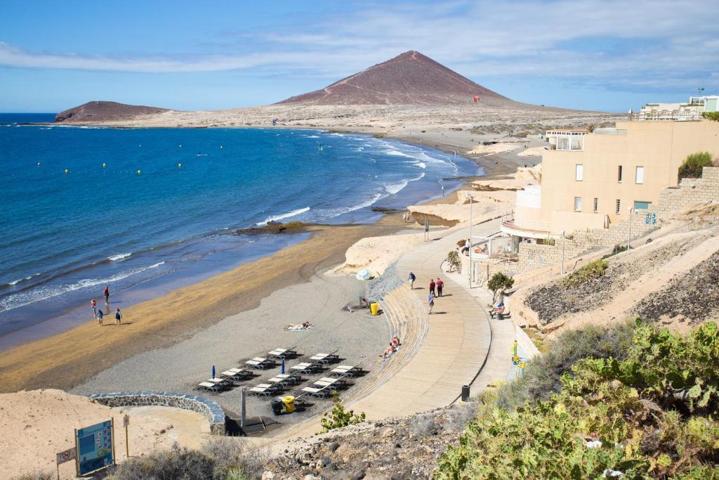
{"x":410,"y":78}
{"x":104,"y":111}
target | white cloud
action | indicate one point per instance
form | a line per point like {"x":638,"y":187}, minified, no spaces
{"x":481,"y":39}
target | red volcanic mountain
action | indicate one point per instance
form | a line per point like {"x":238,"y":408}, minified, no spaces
{"x":407,"y":79}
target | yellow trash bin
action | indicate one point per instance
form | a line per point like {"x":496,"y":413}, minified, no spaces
{"x":374,"y":308}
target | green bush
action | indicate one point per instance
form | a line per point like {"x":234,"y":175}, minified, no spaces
{"x":542,"y":376}
{"x":650,"y":414}
{"x":454,"y":261}
{"x":711,"y":116}
{"x":693,"y":165}
{"x":338,"y":417}
{"x":500,"y":281}
{"x":588,"y":272}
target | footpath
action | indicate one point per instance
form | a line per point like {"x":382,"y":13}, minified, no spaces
{"x":458,"y":344}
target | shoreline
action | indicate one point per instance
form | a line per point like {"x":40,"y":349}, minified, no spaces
{"x":67,"y":359}
{"x":158,"y":326}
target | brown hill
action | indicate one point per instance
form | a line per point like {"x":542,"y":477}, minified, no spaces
{"x":101,"y":111}
{"x":407,"y":79}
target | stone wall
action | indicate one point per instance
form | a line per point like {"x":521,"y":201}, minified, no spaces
{"x":206,"y":407}
{"x":690,"y":192}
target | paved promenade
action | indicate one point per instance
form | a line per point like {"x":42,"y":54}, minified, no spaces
{"x":457,"y":343}
{"x":447,"y":349}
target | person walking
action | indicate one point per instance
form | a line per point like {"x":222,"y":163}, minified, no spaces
{"x":440,"y":286}
{"x":431,"y":286}
{"x":118,"y":316}
{"x":100,"y":314}
{"x":93,"y":305}
{"x":430,"y":301}
{"x":106,"y":292}
{"x":411,"y":279}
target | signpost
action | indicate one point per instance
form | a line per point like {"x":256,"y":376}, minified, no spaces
{"x":126,"y":423}
{"x":64,"y":456}
{"x":95,"y":446}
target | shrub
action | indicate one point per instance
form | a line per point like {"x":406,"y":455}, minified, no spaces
{"x":588,"y":272}
{"x":711,"y":116}
{"x":454,"y":261}
{"x":181,"y":464}
{"x":651,"y":414}
{"x":339,"y":417}
{"x":221,"y":458}
{"x":36,"y":476}
{"x":500,"y":281}
{"x":542,"y":375}
{"x":616,"y":250}
{"x":233,"y":459}
{"x":693,"y":165}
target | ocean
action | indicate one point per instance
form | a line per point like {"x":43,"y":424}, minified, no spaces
{"x":144,"y":211}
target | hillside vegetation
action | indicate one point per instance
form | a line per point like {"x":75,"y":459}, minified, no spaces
{"x":647,"y":411}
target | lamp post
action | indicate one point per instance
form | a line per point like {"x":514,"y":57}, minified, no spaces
{"x":563,"y":242}
{"x":471,"y":201}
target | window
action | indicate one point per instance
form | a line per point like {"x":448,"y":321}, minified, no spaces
{"x":641,"y":205}
{"x":577,"y":204}
{"x":619,"y":206}
{"x":579,"y":172}
{"x":619,"y":173}
{"x":596,"y":204}
{"x":639,"y":175}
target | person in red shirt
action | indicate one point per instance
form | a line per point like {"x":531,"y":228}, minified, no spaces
{"x":440,"y":286}
{"x":431,"y":287}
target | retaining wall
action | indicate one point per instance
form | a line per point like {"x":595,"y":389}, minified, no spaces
{"x":209,"y":408}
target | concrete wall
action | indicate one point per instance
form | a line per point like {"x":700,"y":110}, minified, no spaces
{"x":689,"y":193}
{"x":658,"y":146}
{"x":210,"y":409}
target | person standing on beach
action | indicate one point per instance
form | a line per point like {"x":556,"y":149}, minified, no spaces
{"x":106,"y":292}
{"x":100,"y":314}
{"x":431,"y":286}
{"x":430,"y":301}
{"x":411,"y":279}
{"x":440,"y":286}
{"x":93,"y":305}
{"x":118,"y":316}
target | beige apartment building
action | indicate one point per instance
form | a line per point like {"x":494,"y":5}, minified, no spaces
{"x":593,"y":180}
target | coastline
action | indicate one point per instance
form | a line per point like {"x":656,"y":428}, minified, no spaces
{"x":66,"y":359}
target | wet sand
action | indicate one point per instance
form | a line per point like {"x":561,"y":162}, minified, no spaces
{"x":70,"y":358}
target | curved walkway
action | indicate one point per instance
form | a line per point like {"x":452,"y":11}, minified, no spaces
{"x":455,"y":347}
{"x":449,"y":347}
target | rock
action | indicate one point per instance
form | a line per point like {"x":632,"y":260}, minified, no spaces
{"x":268,"y":475}
{"x":387,"y":432}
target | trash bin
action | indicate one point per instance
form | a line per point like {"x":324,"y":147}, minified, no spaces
{"x":374,"y":308}
{"x":465,"y":393}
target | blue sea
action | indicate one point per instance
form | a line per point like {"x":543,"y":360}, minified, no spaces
{"x":144,"y":211}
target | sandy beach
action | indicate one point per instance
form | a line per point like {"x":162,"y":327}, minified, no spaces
{"x":67,"y":359}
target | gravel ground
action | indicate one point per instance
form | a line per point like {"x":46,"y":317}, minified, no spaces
{"x":554,"y":300}
{"x":694,"y":295}
{"x":400,"y":448}
{"x":357,"y":337}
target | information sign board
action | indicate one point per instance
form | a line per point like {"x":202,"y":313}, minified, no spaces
{"x":95,"y":447}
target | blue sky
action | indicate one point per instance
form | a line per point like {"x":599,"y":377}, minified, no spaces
{"x":603,"y":55}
